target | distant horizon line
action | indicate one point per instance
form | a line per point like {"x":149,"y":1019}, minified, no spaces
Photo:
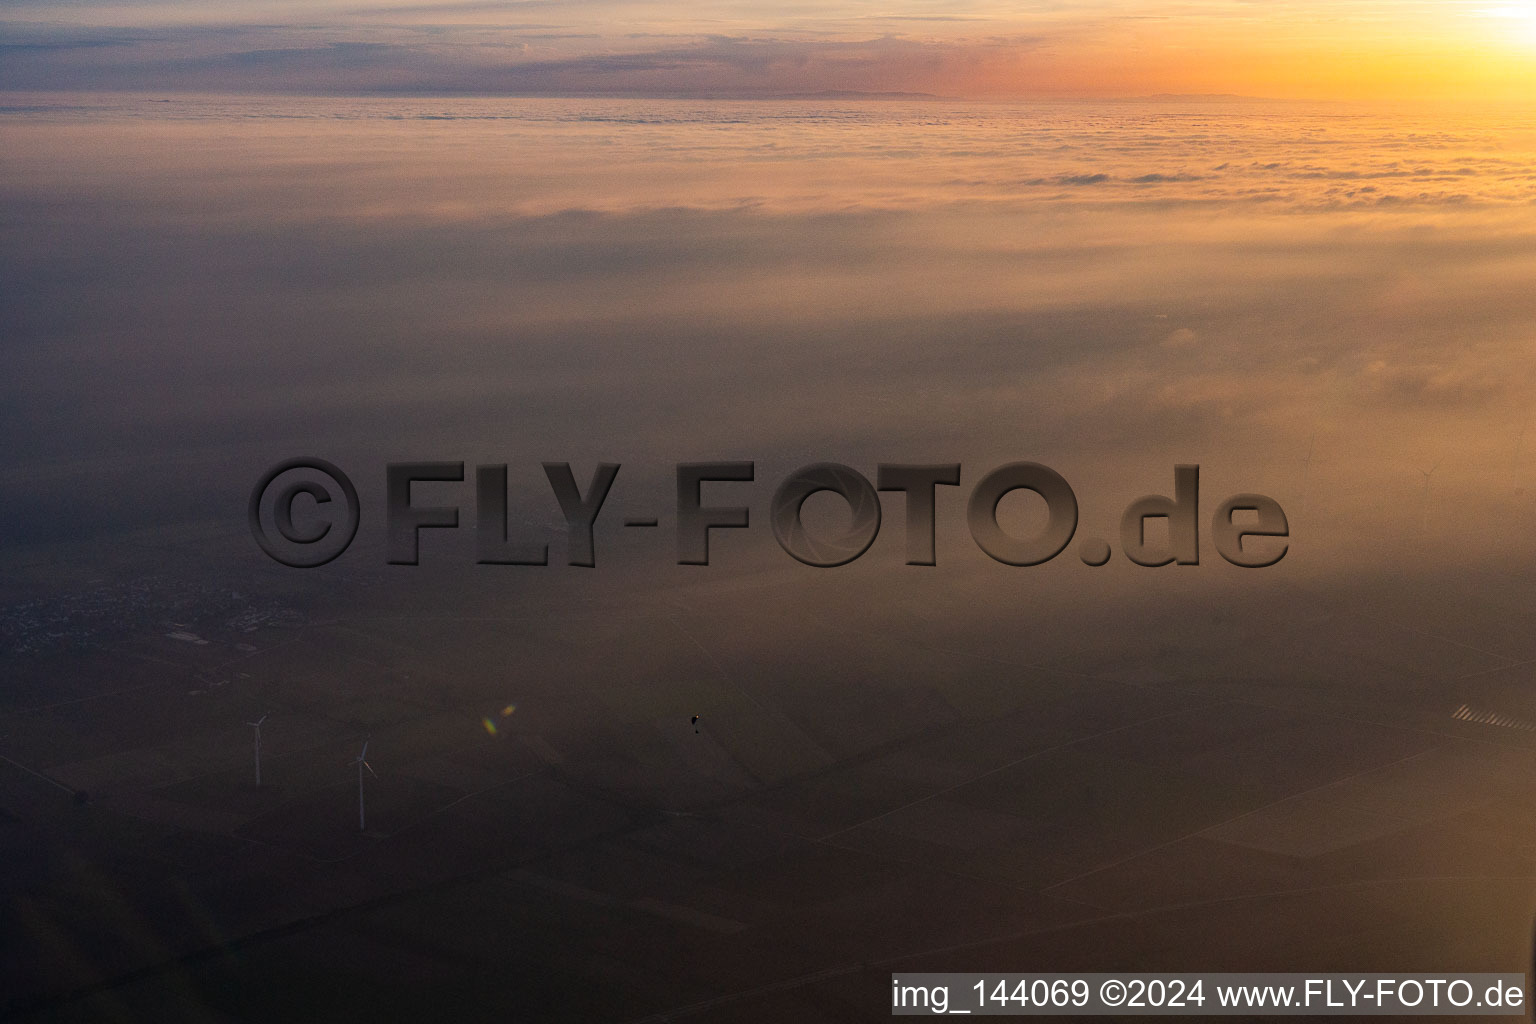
{"x":724,"y":96}
{"x":740,"y":95}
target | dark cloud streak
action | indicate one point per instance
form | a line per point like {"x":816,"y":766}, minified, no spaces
{"x":200,"y":60}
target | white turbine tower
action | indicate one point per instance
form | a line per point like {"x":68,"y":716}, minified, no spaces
{"x":362,"y":762}
{"x":257,"y":726}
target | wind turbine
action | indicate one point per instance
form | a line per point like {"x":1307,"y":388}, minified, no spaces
{"x":1424,"y":510}
{"x":362,"y":762}
{"x":257,"y":726}
{"x":1514,"y":462}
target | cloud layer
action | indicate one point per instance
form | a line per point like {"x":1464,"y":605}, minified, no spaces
{"x":1312,"y":303}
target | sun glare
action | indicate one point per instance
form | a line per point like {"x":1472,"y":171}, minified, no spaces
{"x":1512,"y":22}
{"x":1512,"y":14}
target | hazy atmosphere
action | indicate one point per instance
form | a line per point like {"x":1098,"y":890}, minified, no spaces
{"x":1336,"y":49}
{"x":749,"y":791}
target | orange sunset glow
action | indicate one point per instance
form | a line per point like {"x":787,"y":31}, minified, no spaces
{"x":1354,"y":49}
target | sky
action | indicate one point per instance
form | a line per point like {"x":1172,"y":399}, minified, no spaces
{"x":1459,"y":50}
